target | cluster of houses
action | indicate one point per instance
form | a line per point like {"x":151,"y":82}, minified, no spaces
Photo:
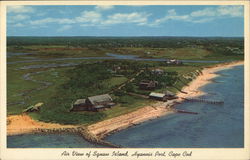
{"x":150,"y":84}
{"x":105,"y":101}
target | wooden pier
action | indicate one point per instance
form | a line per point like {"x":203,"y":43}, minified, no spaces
{"x":203,"y":100}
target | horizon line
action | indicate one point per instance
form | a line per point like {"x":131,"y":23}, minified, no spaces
{"x":140,"y":36}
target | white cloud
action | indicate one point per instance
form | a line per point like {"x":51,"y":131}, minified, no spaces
{"x":171,"y":15}
{"x":171,"y":12}
{"x":18,"y":25}
{"x":64,"y":28}
{"x":52,"y":20}
{"x":202,"y":16}
{"x":16,"y":18}
{"x":43,"y":21}
{"x":97,"y":18}
{"x":204,"y":12}
{"x":233,"y":11}
{"x":89,"y":17}
{"x":103,"y":7}
{"x":19,"y":9}
{"x":201,"y":20}
{"x":65,"y":21}
{"x":135,"y":17}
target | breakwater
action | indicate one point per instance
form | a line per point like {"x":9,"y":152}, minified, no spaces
{"x":82,"y":131}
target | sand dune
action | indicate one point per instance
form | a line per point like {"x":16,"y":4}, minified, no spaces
{"x":21,"y":124}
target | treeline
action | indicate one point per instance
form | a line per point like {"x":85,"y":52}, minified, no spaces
{"x":111,"y":42}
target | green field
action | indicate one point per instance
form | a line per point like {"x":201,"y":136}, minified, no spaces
{"x":59,"y":86}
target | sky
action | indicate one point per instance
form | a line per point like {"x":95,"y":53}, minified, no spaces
{"x":120,"y":20}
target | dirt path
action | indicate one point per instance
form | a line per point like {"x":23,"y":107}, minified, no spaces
{"x":128,"y":81}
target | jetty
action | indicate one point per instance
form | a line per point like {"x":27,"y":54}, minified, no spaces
{"x":203,"y":100}
{"x":183,"y":111}
{"x":82,"y":131}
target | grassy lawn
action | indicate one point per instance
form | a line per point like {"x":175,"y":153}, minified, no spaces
{"x":113,"y":82}
{"x":16,"y":85}
{"x":59,"y":51}
{"x":21,"y":90}
{"x":179,"y":53}
{"x":127,"y":104}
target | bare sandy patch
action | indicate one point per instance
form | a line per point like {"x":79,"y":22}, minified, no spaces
{"x":21,"y":124}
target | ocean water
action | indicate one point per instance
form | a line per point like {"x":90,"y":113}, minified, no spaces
{"x":48,"y":141}
{"x":216,"y":126}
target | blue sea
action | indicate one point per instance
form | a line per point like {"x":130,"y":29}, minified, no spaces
{"x":49,"y":141}
{"x":215,"y":126}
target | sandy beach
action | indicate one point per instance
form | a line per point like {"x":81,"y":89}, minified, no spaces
{"x":21,"y":124}
{"x":207,"y":74}
{"x":103,"y":128}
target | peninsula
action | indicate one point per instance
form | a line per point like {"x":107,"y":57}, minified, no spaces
{"x":119,"y":93}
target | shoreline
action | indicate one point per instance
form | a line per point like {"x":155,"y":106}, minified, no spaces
{"x":208,"y":73}
{"x":24,"y":124}
{"x":107,"y":127}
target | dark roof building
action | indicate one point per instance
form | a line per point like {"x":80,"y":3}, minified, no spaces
{"x":79,"y":105}
{"x":148,"y":85}
{"x":99,"y":102}
{"x":94,"y":103}
{"x":162,"y":96}
{"x":170,"y":95}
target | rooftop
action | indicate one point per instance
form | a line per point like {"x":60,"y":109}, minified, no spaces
{"x":100,"y":98}
{"x":154,"y":94}
{"x":80,"y":101}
